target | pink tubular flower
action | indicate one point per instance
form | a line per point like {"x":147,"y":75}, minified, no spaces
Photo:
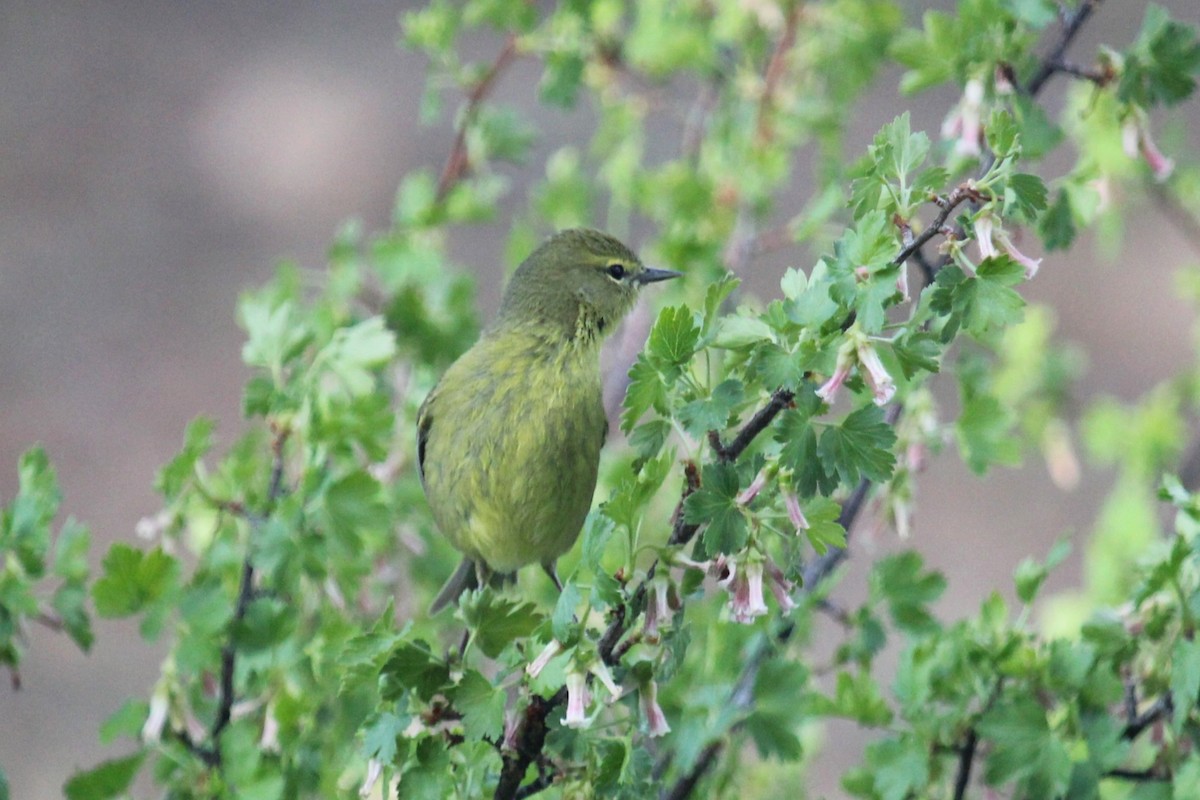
{"x":747,"y":603}
{"x":156,"y":720}
{"x":881,"y":383}
{"x":578,"y":700}
{"x":750,"y":492}
{"x":535,"y":667}
{"x":512,"y":723}
{"x":657,"y":608}
{"x":845,"y":361}
{"x":656,"y":720}
{"x":902,"y":282}
{"x":965,"y":123}
{"x":1136,"y":137}
{"x":795,"y":512}
{"x":1031,"y":265}
{"x":985,"y":227}
{"x":781,"y":587}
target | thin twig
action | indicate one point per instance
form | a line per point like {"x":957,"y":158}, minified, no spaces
{"x":225,"y":699}
{"x":1184,"y":222}
{"x":458,"y":162}
{"x":774,"y":73}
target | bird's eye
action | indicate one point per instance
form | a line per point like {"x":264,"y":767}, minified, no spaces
{"x":616,"y":271}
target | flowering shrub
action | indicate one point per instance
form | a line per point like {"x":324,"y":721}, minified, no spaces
{"x":291,"y":571}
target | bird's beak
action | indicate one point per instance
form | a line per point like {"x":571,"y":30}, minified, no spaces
{"x":649,"y":275}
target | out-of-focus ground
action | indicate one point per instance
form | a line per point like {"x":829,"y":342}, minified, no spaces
{"x":157,"y":158}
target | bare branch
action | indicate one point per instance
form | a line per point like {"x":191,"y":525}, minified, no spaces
{"x":1072,"y":23}
{"x":966,"y":757}
{"x":458,"y":163}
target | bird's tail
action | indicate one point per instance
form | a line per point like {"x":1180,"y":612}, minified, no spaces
{"x":462,"y":580}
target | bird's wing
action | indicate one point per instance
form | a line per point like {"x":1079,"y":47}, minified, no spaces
{"x":424,"y":424}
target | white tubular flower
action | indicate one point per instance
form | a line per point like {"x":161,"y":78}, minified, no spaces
{"x":600,"y":670}
{"x":578,"y":700}
{"x":985,"y":227}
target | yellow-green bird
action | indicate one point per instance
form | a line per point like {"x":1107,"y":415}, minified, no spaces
{"x":508,"y":442}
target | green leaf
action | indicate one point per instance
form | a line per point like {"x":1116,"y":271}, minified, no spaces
{"x":860,"y":446}
{"x":799,"y":453}
{"x":714,"y":296}
{"x":1023,"y":748}
{"x":274,"y":332}
{"x":1030,"y":574}
{"x":824,"y":531}
{"x":1024,"y":196}
{"x":674,"y":337}
{"x":646,"y":390}
{"x":741,"y":332}
{"x":900,"y":767}
{"x":1159,"y":66}
{"x":1185,"y":679}
{"x":564,"y":624}
{"x":985,"y":434}
{"x":125,"y":721}
{"x":561,"y":78}
{"x":496,"y":622}
{"x":773,"y":732}
{"x":353,"y":356}
{"x":481,"y":704}
{"x":916,"y":352}
{"x":711,"y":413}
{"x":380,"y":735}
{"x":412,"y":666}
{"x":179,"y":471}
{"x":1057,"y":225}
{"x":131,"y":580}
{"x":355,"y":503}
{"x":1034,"y":13}
{"x":105,"y":780}
{"x":908,"y":589}
{"x":713,"y":505}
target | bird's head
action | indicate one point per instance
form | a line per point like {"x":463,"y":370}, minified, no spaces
{"x":579,"y":279}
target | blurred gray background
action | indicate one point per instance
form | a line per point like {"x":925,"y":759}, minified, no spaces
{"x":157,"y":158}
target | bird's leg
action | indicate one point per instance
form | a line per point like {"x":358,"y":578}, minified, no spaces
{"x":553,"y":573}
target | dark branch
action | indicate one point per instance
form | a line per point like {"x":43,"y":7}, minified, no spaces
{"x":530,"y":739}
{"x":1159,"y":709}
{"x":1071,"y":25}
{"x":727,"y":454}
{"x":688,"y":782}
{"x":966,"y":757}
{"x":1139,"y":776}
{"x":212,"y":753}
